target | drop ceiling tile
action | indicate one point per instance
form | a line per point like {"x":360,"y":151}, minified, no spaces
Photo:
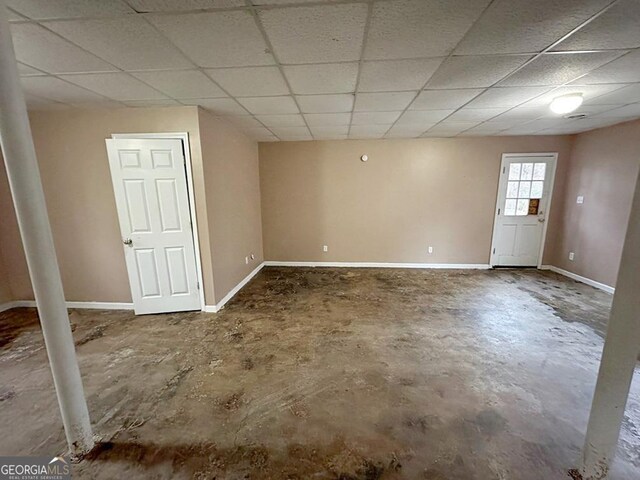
{"x":324,"y":78}
{"x":615,"y":29}
{"x":383,"y":102}
{"x":486,"y":129}
{"x":327,"y":119}
{"x":55,"y":89}
{"x":323,"y":33}
{"x":325,"y":103}
{"x":45,"y":9}
{"x":407,"y":131}
{"x":587,"y":91}
{"x":26,"y":70}
{"x":243,"y":121}
{"x":506,"y":96}
{"x":219,"y":106}
{"x":144,"y":6}
{"x":329,"y":131}
{"x":236,"y":35}
{"x":431,"y":134}
{"x":625,"y":69}
{"x":451,"y":128}
{"x":168,"y":102}
{"x":368,"y":131}
{"x":14,"y":16}
{"x":129,"y":42}
{"x":291,"y":131}
{"x":444,"y":99}
{"x":419,"y":28}
{"x":473,"y":72}
{"x":557,"y":69}
{"x":374,"y":118}
{"x":523,"y":26}
{"x":628,"y":111}
{"x":520,"y":114}
{"x":288,"y":120}
{"x":296,"y":138}
{"x":117,"y":86}
{"x":475,"y":114}
{"x":182,"y":83}
{"x":621,"y":96}
{"x":251,"y":81}
{"x":46,"y":51}
{"x":397,"y":75}
{"x":330,"y":137}
{"x":260,"y":135}
{"x":423,"y":116}
{"x":106,"y":104}
{"x":269,"y":105}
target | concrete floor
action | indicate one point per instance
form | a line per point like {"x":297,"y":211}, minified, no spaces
{"x":332,"y":374}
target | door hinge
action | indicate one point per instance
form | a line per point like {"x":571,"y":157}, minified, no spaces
{"x":197,"y":285}
{"x":494,"y":251}
{"x":504,"y":170}
{"x":498,"y":211}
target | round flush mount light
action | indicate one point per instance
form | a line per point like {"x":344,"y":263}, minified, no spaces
{"x":364,"y":158}
{"x":566,"y":103}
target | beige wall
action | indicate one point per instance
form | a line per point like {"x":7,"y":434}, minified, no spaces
{"x":77,"y":184}
{"x":233,"y":197}
{"x":409,"y":195}
{"x":603,"y":168}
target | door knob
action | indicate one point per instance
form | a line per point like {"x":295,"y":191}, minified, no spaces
{"x":128,"y":242}
{"x":541,"y":220}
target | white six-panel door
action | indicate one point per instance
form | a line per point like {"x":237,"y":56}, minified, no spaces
{"x":150,"y":186}
{"x":524,"y":193}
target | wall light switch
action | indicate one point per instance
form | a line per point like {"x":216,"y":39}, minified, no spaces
{"x":325,"y":248}
{"x":580,"y":199}
{"x":246,"y":260}
{"x":571,"y":256}
{"x":430,"y":249}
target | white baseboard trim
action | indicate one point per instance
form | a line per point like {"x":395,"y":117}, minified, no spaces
{"x":88,"y":305}
{"x":460,"y":266}
{"x":218,"y":306}
{"x":579,"y":278}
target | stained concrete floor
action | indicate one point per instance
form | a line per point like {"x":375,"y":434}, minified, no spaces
{"x":332,"y":374}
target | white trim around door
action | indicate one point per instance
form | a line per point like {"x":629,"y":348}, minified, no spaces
{"x":552,"y":157}
{"x":184,"y":138}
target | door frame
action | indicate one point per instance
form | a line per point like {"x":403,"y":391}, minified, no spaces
{"x":184,"y":138}
{"x":501,"y":177}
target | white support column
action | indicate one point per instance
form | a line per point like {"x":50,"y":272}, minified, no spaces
{"x":28,"y":197}
{"x":619,"y":357}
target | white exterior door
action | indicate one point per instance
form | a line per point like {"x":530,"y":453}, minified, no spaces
{"x":524,"y":192}
{"x":150,"y":186}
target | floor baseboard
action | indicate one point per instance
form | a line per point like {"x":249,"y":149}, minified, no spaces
{"x":579,"y":278}
{"x":87,"y":305}
{"x":457,"y":266}
{"x":218,"y":306}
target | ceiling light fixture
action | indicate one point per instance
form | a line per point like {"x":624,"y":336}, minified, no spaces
{"x":566,"y":103}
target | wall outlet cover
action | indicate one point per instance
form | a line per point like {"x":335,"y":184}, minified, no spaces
{"x":580,"y":199}
{"x":571,"y":256}
{"x":325,"y":248}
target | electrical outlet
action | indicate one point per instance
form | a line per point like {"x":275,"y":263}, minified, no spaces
{"x":571,"y":256}
{"x":430,"y":250}
{"x":325,"y":248}
{"x":580,"y":200}
{"x":246,"y":260}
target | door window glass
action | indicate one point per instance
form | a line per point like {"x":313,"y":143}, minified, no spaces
{"x":526,"y":181}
